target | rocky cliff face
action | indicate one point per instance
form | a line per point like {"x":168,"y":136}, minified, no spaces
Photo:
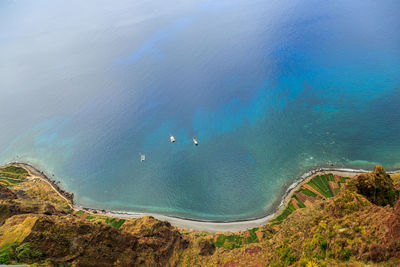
{"x":66,"y":239}
{"x":377,"y":187}
{"x":38,"y":226}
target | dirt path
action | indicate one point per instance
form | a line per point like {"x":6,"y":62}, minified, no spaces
{"x":34,"y":174}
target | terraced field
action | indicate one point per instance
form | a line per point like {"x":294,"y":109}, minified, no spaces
{"x":319,"y":187}
{"x":11,"y":176}
{"x":237,"y":240}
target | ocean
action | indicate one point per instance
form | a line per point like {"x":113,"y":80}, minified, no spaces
{"x":270,"y":89}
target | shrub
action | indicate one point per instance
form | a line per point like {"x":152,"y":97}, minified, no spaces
{"x":286,"y":256}
{"x":323,"y":244}
{"x":345,"y":254}
{"x":25,"y":253}
{"x":4,"y":257}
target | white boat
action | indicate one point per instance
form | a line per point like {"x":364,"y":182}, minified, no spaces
{"x":172,"y":138}
{"x":142,"y":158}
{"x":195,"y":141}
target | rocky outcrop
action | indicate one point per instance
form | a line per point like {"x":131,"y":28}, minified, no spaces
{"x":377,"y":187}
{"x":159,"y":244}
{"x":69,"y":240}
{"x":6,"y":194}
{"x":11,"y":208}
{"x":65,"y":239}
{"x":206,"y":247}
{"x":50,"y":210}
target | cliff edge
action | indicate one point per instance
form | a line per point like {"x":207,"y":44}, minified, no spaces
{"x":329,"y":220}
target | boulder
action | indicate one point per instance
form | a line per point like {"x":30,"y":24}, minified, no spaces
{"x":377,"y":187}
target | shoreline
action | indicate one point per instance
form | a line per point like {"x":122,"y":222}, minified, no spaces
{"x":193,"y":224}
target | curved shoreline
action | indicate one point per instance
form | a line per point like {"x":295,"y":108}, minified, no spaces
{"x":194,"y":224}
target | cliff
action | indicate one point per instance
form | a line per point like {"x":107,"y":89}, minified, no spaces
{"x":328,"y":221}
{"x":37,"y":225}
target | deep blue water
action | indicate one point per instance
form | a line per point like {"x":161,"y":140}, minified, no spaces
{"x":271,"y":89}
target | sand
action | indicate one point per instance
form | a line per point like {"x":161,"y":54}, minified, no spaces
{"x":208,"y":226}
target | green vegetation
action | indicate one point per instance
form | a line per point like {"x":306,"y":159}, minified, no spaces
{"x":25,"y":253}
{"x":285,"y":213}
{"x":320,"y":183}
{"x":236,"y":241}
{"x":10,"y":181}
{"x":113,"y":222}
{"x":4,"y":257}
{"x":336,"y":190}
{"x":253,"y":236}
{"x":345,"y":254}
{"x":15,"y":169}
{"x":286,"y":256}
{"x":307,"y":192}
{"x":323,"y":244}
{"x":11,"y":176}
{"x":377,"y":187}
{"x":299,"y":202}
{"x":19,"y":253}
{"x":5,"y":254}
{"x":229,"y":241}
{"x":79,"y":212}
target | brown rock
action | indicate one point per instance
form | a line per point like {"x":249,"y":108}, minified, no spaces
{"x":50,"y":210}
{"x":206,"y":247}
{"x":253,"y":250}
{"x":6,"y":194}
{"x":63,"y":239}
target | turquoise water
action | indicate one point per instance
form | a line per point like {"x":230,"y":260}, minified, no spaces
{"x":270,"y":89}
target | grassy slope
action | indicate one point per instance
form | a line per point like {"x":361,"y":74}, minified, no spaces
{"x":345,"y":229}
{"x":11,"y":176}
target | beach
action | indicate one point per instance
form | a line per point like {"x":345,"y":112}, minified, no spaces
{"x":197,"y":225}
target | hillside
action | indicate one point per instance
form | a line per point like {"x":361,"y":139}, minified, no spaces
{"x":328,"y":221}
{"x":37,"y":225}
